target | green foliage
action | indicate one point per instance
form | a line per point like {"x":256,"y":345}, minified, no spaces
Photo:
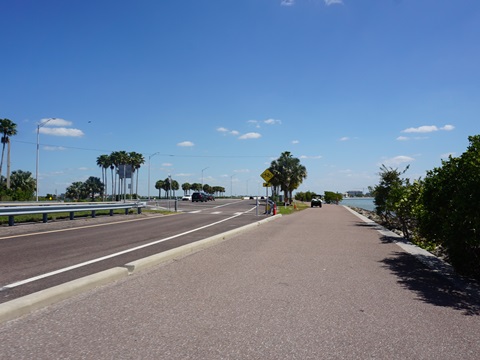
{"x":305,"y":196}
{"x":288,"y":174}
{"x":440,"y":211}
{"x":450,"y":215}
{"x":22,"y":186}
{"x":331,"y":197}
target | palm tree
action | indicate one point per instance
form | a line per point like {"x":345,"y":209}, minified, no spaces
{"x":186,"y":188}
{"x":120,"y":159}
{"x":136,"y":161}
{"x":288,"y":173}
{"x":93,"y":185}
{"x":7,"y":128}
{"x":104,"y":162}
{"x":159,"y":185}
{"x":112,"y":168}
{"x":23,"y":185}
{"x":74,"y":191}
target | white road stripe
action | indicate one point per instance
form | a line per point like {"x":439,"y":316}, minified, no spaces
{"x":26,"y":281}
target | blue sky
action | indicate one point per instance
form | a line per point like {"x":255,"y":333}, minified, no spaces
{"x":228,"y":85}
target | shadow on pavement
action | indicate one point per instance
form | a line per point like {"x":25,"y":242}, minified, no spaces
{"x":429,"y":285}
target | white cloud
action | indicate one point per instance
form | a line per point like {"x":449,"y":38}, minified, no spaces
{"x":55,"y":122}
{"x":61,"y":131}
{"x":250,"y":135}
{"x":58,"y":127}
{"x":295,"y":142}
{"x":186,"y":144}
{"x":398,"y":160}
{"x":54,"y":148}
{"x":272,"y":121}
{"x":287,"y":2}
{"x":226,"y":131}
{"x":241,"y":171}
{"x":428,"y":129}
{"x":403,"y":138}
{"x":421,"y":129}
{"x":167,"y":164}
{"x":345,"y":138}
{"x":310,"y":157}
{"x":333,"y":2}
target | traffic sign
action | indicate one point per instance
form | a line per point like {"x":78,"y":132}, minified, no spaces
{"x":267,"y":175}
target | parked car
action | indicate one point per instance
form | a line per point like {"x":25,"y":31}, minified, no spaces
{"x":187,"y":198}
{"x":199,"y":196}
{"x":210,"y":197}
{"x":316,"y":201}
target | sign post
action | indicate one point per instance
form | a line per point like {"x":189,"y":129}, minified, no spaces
{"x":267,"y":176}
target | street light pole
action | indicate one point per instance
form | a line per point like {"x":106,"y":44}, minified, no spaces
{"x":39,"y":125}
{"x":149,"y":157}
{"x":202,"y":176}
{"x":231,"y":185}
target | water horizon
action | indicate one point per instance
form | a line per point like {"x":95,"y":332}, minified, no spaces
{"x":365,"y":203}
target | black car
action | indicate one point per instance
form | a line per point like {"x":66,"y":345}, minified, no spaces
{"x":199,"y":196}
{"x":316,"y":201}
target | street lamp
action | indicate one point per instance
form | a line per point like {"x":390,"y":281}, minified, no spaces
{"x":231,"y":185}
{"x":39,"y":125}
{"x":202,"y":176}
{"x":149,"y":157}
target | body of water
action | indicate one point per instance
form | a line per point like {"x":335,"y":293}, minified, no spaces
{"x":361,"y":202}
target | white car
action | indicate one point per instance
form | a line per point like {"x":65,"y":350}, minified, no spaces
{"x":187,"y":198}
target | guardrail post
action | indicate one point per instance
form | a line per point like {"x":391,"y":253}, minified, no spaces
{"x":139,"y":210}
{"x":176,"y":205}
{"x":45,"y":217}
{"x":126,"y":211}
{"x":111,"y":212}
{"x":11,"y":220}
{"x":94,"y":213}
{"x":72,"y":215}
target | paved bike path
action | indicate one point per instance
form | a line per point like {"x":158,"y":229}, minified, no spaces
{"x":319,"y":284}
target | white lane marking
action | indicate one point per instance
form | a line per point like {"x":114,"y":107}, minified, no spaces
{"x":219,"y":206}
{"x":26,"y":281}
{"x":81,"y":227}
{"x":195,"y":212}
{"x":216,"y":212}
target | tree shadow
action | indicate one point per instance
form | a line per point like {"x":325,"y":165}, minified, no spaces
{"x":433,"y":285}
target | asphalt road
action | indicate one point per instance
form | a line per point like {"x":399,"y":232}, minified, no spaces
{"x":36,"y":257}
{"x":319,"y":284}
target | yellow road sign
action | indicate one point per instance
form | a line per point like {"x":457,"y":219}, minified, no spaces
{"x":266,"y":184}
{"x":267,"y":175}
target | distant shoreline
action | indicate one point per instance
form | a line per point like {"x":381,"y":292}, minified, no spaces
{"x":365,"y":203}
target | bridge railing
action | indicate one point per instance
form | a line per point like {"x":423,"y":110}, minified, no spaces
{"x":12,"y":211}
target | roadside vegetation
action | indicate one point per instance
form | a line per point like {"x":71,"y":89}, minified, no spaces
{"x":440,"y":212}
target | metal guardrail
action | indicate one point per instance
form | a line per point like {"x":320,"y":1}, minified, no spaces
{"x":12,"y":211}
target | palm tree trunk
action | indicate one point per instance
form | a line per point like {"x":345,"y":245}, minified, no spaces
{"x":113,"y":186}
{"x":1,"y":160}
{"x":136,"y":186}
{"x":8,"y":165}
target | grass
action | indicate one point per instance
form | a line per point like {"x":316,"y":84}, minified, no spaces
{"x":287,"y":210}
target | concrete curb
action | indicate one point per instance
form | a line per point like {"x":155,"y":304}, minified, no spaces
{"x":22,"y":306}
{"x":191,"y":248}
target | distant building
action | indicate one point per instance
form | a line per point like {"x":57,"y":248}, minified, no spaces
{"x":354,"y":193}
